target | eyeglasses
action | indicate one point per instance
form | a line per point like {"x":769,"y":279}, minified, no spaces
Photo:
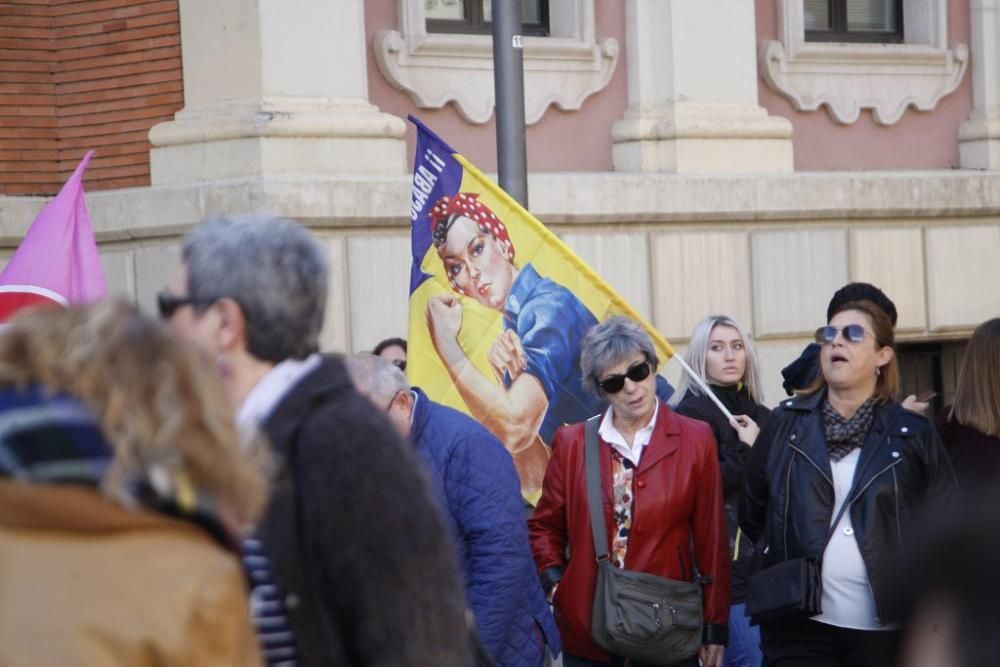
{"x":615,"y":383}
{"x":168,"y":304}
{"x":400,"y":364}
{"x":852,"y":333}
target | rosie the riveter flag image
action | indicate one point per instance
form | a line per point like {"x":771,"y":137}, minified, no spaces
{"x":498,"y":307}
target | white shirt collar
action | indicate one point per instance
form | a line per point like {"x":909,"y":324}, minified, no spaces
{"x":270,"y":389}
{"x":413,"y":411}
{"x":610,"y":435}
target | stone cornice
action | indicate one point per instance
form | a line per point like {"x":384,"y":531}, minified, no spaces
{"x":557,"y":198}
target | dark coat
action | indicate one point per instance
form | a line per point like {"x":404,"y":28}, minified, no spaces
{"x":677,"y":502}
{"x":357,"y":546}
{"x":789,"y":497}
{"x":803,"y":371}
{"x":975,"y":455}
{"x":732,"y":462}
{"x":478,"y":483}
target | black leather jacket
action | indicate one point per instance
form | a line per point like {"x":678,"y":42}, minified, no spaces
{"x":789,"y":499}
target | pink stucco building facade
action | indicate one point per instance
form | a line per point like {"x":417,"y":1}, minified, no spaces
{"x":710,"y":156}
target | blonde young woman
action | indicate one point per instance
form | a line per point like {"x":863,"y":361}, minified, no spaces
{"x":122,"y":486}
{"x":722,"y":354}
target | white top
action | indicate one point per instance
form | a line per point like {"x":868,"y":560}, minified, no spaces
{"x":848,"y":601}
{"x":269,"y":391}
{"x":610,"y":435}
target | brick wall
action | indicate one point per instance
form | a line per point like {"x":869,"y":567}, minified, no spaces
{"x":81,"y":74}
{"x":28,"y":135}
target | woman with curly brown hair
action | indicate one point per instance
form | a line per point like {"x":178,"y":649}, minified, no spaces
{"x":122,"y":489}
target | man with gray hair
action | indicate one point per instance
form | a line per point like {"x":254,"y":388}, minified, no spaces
{"x":476,"y":482}
{"x":349,"y":564}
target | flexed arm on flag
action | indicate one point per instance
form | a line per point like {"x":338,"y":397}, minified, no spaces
{"x":512,"y":413}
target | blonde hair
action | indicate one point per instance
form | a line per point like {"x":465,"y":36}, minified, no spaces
{"x":157,"y":400}
{"x":696,"y":357}
{"x":887,"y":382}
{"x":977,"y":396}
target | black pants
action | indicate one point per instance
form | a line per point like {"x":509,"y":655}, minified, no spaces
{"x":616,"y":661}
{"x":813,"y":644}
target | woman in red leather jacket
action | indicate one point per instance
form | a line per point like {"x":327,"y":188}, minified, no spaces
{"x":662,"y":497}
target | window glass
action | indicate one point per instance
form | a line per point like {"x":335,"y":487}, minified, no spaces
{"x":453,"y":10}
{"x":871,"y":15}
{"x":531,"y":11}
{"x":817,"y":14}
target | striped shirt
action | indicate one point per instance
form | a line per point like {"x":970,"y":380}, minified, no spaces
{"x":267,"y":608}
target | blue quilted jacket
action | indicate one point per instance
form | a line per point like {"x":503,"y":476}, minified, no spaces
{"x":475,"y":478}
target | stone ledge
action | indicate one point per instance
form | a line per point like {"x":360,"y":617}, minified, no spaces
{"x":557,"y":198}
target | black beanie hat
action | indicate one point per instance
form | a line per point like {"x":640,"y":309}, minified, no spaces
{"x":861,"y":292}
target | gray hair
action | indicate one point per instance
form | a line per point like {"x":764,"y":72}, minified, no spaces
{"x":377,"y":378}
{"x":273,"y":268}
{"x":696,"y":357}
{"x":612,"y":342}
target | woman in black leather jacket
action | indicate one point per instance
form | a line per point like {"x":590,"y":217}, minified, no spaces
{"x":845,"y":440}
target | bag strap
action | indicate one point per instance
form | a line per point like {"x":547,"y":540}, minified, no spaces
{"x":833,"y":526}
{"x":592,"y":463}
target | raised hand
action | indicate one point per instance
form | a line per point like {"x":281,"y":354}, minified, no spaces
{"x":444,"y":317}
{"x":507,"y":354}
{"x":746,"y":428}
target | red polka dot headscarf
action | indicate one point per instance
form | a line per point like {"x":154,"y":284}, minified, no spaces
{"x":467,"y":205}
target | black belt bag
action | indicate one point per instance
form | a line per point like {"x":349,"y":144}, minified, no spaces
{"x":640,"y":616}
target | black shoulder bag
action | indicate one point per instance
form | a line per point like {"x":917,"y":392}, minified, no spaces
{"x":789,"y":590}
{"x":637,"y":615}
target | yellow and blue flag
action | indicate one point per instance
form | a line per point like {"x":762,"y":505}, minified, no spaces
{"x":498,"y":307}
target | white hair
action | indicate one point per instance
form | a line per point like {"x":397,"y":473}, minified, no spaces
{"x":377,"y":378}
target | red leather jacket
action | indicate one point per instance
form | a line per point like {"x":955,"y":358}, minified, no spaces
{"x":677,"y":494}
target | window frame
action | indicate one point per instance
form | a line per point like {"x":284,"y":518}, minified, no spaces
{"x":848,"y":77}
{"x":475,"y":23}
{"x":435,"y":69}
{"x":839,"y":32}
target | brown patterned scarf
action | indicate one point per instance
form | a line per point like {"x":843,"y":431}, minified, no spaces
{"x":843,"y":434}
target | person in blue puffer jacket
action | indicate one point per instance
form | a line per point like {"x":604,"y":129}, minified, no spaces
{"x":478,"y":486}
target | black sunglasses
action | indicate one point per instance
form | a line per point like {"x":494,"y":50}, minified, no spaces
{"x":615,"y":383}
{"x":400,"y":364}
{"x":168,"y":304}
{"x":853,"y":333}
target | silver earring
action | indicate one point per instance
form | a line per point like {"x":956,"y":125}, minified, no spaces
{"x":878,"y":371}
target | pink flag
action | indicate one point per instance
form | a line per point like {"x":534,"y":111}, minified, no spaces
{"x":57,"y":262}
